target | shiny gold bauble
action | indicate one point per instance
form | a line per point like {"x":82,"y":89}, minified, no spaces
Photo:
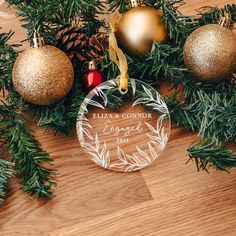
{"x":210,"y":52}
{"x":43,"y":75}
{"x":138,"y":28}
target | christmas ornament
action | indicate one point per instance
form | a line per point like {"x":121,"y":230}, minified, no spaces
{"x":130,"y":137}
{"x":80,"y":47}
{"x":139,"y":27}
{"x":43,"y":74}
{"x":123,"y":124}
{"x":210,"y":52}
{"x":93,"y":77}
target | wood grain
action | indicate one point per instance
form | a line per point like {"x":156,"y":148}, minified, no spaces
{"x":166,"y":198}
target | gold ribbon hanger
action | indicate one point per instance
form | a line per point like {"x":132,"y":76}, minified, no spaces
{"x":118,"y":57}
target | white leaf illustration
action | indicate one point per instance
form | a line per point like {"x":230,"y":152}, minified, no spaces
{"x":132,"y":160}
{"x":144,"y":154}
{"x":107,"y":159}
{"x":139,"y":161}
{"x":141,"y":101}
{"x":159,"y":138}
{"x":104,"y":149}
{"x":158,"y":145}
{"x":121,"y":154}
{"x":95,"y":158}
{"x":153,"y":152}
{"x":113,"y":83}
{"x":94,"y":103}
{"x":150,"y":127}
{"x":148,"y":92}
{"x":88,"y":146}
{"x":97,"y":142}
{"x":87,"y":133}
{"x":100,"y":93}
{"x":83,"y":107}
{"x":120,"y":165}
{"x":133,"y":84}
{"x":102,"y":157}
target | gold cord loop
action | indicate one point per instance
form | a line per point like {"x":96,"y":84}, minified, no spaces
{"x":118,"y":57}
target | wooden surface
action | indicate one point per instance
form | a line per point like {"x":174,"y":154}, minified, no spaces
{"x":167,"y":198}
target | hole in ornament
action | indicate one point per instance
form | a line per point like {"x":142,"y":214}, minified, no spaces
{"x":123,"y":91}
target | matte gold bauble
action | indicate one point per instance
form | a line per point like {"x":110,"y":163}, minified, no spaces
{"x":210,"y":52}
{"x":138,"y":28}
{"x":43,"y":75}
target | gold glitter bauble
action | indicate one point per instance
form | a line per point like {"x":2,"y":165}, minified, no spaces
{"x":43,"y":75}
{"x":210,"y":52}
{"x":138,"y":28}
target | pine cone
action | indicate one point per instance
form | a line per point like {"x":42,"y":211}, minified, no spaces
{"x":97,"y":45}
{"x":79,"y":47}
{"x":73,"y":42}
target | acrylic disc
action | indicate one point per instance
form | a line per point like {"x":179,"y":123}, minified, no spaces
{"x":123,"y":132}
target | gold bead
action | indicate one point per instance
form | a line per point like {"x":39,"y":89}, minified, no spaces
{"x":138,"y":28}
{"x":210,"y":52}
{"x":43,"y":75}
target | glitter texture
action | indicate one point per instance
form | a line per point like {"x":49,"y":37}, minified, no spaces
{"x":210,"y":52}
{"x":43,"y":75}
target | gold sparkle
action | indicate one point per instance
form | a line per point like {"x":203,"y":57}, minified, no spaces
{"x":210,"y":52}
{"x":43,"y":75}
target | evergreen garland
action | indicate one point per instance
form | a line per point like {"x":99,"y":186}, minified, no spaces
{"x":26,"y":154}
{"x":27,"y":157}
{"x":6,"y":172}
{"x":207,"y":108}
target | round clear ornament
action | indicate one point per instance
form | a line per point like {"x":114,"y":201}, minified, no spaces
{"x":123,"y":132}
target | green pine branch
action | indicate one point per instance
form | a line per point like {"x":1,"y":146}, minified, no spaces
{"x":7,"y":59}
{"x":121,"y":5}
{"x":49,"y":16}
{"x":73,"y":103}
{"x":27,"y":155}
{"x":212,"y":115}
{"x":51,"y":117}
{"x":62,"y":116}
{"x":212,"y":14}
{"x":6,"y":172}
{"x":207,"y":154}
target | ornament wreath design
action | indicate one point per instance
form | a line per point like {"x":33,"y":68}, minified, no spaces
{"x":100,"y":154}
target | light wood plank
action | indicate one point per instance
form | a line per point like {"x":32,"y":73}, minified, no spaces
{"x":84,"y":191}
{"x":163,"y":217}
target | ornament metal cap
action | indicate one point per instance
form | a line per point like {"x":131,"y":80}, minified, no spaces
{"x":135,"y":3}
{"x":226,"y":21}
{"x":37,"y":41}
{"x":92,"y":65}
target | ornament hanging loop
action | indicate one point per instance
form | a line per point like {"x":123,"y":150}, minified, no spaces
{"x":122,"y":83}
{"x":226,"y":21}
{"x":118,"y":57}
